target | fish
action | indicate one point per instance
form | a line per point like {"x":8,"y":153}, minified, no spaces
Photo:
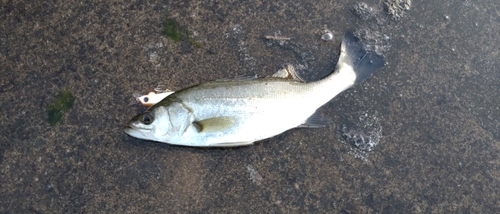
{"x":244,"y":110}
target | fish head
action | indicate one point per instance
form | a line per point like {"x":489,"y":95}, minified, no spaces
{"x":143,"y":126}
{"x":161,"y":123}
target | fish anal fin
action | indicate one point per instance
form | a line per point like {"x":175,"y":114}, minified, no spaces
{"x":215,"y":124}
{"x":315,"y":121}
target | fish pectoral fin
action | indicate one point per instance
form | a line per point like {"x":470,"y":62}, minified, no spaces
{"x":215,"y":124}
{"x":288,"y":72}
{"x":314,"y":121}
{"x":233,"y":144}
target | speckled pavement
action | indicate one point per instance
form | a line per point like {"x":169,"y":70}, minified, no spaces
{"x":434,"y":107}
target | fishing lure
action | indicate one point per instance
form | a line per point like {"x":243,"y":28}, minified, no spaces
{"x":152,"y":98}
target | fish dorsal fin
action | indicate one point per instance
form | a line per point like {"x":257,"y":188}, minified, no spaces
{"x":241,"y":77}
{"x":215,"y":124}
{"x":288,"y":72}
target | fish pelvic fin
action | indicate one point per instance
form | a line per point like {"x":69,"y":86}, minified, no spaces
{"x":232,"y":144}
{"x":354,"y":58}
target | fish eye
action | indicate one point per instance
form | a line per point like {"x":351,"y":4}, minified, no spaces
{"x":147,"y":118}
{"x":146,"y":99}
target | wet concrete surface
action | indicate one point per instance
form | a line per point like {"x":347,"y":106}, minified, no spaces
{"x":431,"y":114}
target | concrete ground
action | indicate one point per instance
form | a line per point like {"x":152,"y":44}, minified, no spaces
{"x":420,"y":136}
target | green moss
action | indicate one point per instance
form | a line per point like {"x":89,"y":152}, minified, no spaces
{"x":192,"y":41}
{"x":63,"y":102}
{"x":195,"y":43}
{"x":171,"y":30}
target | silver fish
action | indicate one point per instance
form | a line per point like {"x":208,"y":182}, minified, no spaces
{"x":241,"y":111}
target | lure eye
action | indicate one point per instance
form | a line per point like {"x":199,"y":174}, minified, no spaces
{"x":147,"y":118}
{"x":146,"y":99}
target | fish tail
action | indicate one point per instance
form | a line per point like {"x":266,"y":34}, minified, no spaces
{"x":354,"y":59}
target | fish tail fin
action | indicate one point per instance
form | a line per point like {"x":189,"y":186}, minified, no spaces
{"x":355,"y":60}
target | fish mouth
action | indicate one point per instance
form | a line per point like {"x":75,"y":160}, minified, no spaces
{"x":137,"y":133}
{"x":128,"y":126}
{"x":128,"y":129}
{"x":133,"y":132}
